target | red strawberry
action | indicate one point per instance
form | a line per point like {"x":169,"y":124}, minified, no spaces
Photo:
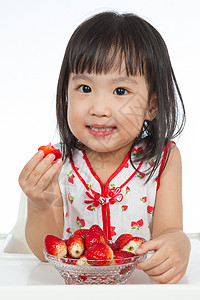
{"x":123,"y":239}
{"x":82,"y":232}
{"x":99,"y":254}
{"x":133,"y":244}
{"x":122,"y":257}
{"x":50,"y":149}
{"x":75,"y":246}
{"x":66,"y":241}
{"x":95,"y":236}
{"x":55,"y":246}
{"x":69,"y":260}
{"x":114,"y":246}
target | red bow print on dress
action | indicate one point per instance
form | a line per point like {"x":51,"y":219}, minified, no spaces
{"x":113,"y":195}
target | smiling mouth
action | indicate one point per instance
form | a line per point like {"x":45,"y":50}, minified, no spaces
{"x":98,"y":130}
{"x":104,"y":129}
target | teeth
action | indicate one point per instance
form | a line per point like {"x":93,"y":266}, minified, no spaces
{"x":101,"y":129}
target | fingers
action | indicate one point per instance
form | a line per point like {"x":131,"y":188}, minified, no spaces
{"x":155,"y":260}
{"x":161,"y":270}
{"x":157,"y":269}
{"x":50,"y":176}
{"x":30,"y":166}
{"x":175,"y":279}
{"x":38,"y":173}
{"x":148,"y":246}
{"x":168,"y":277}
{"x":40,"y":170}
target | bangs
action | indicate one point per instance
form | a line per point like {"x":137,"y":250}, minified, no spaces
{"x":106,"y":46}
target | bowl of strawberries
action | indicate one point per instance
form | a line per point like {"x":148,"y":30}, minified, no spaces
{"x":88,"y":258}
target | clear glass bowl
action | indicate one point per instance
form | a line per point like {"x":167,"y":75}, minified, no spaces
{"x":109,"y":274}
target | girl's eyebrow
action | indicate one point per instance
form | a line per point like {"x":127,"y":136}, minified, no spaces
{"x":124,"y":79}
{"x":81,"y":76}
{"x":112,"y":80}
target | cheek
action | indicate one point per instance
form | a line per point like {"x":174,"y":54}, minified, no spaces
{"x":132,"y":116}
{"x":71,"y":116}
{"x":75,"y":117}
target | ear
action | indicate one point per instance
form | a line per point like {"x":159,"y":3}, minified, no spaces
{"x":152,"y":110}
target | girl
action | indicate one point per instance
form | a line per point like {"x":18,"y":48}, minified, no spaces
{"x":117,"y":113}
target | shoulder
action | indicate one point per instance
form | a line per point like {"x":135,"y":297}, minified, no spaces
{"x":174,"y":159}
{"x":172,"y":172}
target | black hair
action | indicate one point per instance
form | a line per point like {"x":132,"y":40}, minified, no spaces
{"x":110,"y":40}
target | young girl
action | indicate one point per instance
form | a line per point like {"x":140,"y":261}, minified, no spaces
{"x":117,"y":113}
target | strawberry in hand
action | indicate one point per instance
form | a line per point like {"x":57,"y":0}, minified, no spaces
{"x":50,"y":149}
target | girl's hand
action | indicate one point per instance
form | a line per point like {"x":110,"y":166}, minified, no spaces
{"x":169,"y":262}
{"x":39,"y":180}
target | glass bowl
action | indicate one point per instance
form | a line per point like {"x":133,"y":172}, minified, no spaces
{"x":94,"y":274}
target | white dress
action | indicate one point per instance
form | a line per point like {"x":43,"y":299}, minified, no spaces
{"x":124,"y":205}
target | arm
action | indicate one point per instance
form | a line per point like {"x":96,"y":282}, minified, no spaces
{"x":171,"y":245}
{"x":39,"y":181}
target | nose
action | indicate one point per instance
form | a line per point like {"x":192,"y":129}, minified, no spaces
{"x":100,"y":106}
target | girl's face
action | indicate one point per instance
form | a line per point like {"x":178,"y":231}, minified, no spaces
{"x":106,"y":111}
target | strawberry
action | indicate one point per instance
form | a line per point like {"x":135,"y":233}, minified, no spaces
{"x":99,"y":254}
{"x":95,"y":236}
{"x":122,"y":257}
{"x":123,"y":239}
{"x":55,"y":246}
{"x":82,"y":261}
{"x":51,"y":149}
{"x":82,"y":232}
{"x":114,"y":246}
{"x":66,"y":241}
{"x":75,"y":246}
{"x":133,"y":244}
{"x":69,"y":260}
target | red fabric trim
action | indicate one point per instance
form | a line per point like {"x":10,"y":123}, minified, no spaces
{"x":104,"y":219}
{"x":92,"y":171}
{"x":166,"y":149}
{"x":131,"y":175}
{"x":79,"y":176}
{"x":108,"y":224}
{"x":111,"y":177}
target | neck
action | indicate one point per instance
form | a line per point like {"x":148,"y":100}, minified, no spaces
{"x":106,"y":160}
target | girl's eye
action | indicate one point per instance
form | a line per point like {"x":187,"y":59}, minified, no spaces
{"x":84,"y":89}
{"x":120,"y":91}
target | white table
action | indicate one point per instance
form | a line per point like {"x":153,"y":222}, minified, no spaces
{"x":23,"y":276}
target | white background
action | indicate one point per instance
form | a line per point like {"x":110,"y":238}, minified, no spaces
{"x":33,"y":37}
